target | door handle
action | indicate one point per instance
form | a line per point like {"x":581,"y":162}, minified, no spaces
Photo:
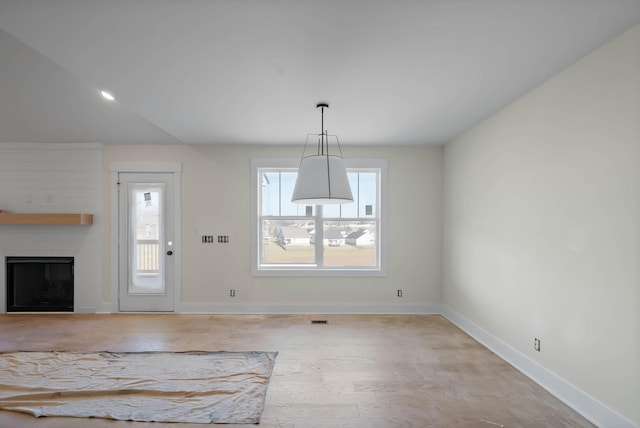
{"x":169,"y":253}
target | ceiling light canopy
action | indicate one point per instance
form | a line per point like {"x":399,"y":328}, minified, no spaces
{"x":322,"y":176}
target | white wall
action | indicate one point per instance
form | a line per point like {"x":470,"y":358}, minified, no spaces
{"x":54,"y":178}
{"x":216,"y":200}
{"x":542,"y":225}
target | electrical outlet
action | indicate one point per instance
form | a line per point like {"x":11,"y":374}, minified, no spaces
{"x":536,"y":344}
{"x":207,"y":239}
{"x":399,"y":293}
{"x":232,"y":293}
{"x":223,"y":239}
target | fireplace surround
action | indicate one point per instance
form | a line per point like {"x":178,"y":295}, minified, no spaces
{"x":40,"y":284}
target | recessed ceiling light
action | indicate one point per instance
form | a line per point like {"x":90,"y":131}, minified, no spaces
{"x":107,"y":95}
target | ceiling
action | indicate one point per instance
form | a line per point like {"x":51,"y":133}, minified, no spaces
{"x":406,"y":72}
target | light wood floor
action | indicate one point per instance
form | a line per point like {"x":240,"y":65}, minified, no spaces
{"x":355,"y":371}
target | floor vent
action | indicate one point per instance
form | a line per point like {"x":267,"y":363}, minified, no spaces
{"x":319,"y":321}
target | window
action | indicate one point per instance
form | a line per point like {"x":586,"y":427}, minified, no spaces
{"x":297,"y":239}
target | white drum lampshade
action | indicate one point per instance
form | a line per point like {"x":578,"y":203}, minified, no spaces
{"x":322,"y":179}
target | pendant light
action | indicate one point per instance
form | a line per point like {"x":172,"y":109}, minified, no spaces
{"x":322,"y":177}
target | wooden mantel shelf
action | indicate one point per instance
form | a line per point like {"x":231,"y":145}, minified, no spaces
{"x":45,"y":218}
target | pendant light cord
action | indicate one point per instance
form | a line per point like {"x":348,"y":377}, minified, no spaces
{"x":323,"y":135}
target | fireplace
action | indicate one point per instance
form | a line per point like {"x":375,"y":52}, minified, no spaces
{"x":39,"y":284}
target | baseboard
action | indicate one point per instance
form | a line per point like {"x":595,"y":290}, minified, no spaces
{"x":248,"y":308}
{"x":106,"y":308}
{"x":593,"y":410}
{"x":294,"y":309}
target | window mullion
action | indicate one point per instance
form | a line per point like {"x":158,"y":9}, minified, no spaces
{"x":358,"y":197}
{"x":319,"y":238}
{"x":279,"y":193}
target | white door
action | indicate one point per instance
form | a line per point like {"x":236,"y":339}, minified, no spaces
{"x":146,"y":242}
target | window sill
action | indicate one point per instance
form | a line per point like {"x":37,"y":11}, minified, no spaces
{"x":318,"y":273}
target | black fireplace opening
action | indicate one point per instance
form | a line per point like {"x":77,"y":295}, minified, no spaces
{"x":39,"y":284}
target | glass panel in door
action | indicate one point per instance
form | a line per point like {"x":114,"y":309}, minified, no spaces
{"x":147,"y":243}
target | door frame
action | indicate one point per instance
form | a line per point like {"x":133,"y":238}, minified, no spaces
{"x":116,"y":168}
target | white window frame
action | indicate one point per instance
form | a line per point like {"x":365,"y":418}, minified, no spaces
{"x":314,"y":270}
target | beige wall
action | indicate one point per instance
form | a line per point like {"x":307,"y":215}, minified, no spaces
{"x":542,"y":221}
{"x":216,"y":200}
